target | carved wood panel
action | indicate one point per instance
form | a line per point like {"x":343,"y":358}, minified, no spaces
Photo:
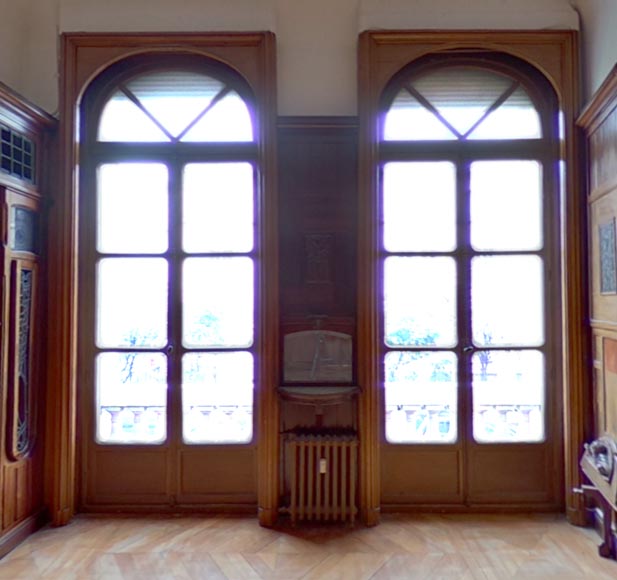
{"x":26,"y":137}
{"x":317,"y":216}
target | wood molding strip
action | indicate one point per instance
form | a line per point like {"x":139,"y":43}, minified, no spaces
{"x":369,"y":408}
{"x":601,"y":105}
{"x":317,"y":122}
{"x":602,"y":191}
{"x":21,"y":531}
{"x":603,"y":325}
{"x":22,"y":110}
{"x":267,"y":397}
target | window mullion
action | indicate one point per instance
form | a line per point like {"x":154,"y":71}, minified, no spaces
{"x":175,"y":349}
{"x":465,"y":343}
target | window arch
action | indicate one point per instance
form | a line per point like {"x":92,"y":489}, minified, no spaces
{"x":177,"y":105}
{"x":460,"y":100}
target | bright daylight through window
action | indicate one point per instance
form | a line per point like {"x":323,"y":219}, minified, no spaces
{"x":463,"y":258}
{"x":174,"y":260}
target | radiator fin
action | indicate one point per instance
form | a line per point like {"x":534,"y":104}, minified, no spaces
{"x":318,"y":494}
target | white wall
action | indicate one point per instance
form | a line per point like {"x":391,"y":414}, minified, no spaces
{"x":316,"y":39}
{"x":12,"y":18}
{"x":599,"y":33}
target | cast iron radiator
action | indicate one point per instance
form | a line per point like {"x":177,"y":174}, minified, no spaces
{"x":322,"y":470}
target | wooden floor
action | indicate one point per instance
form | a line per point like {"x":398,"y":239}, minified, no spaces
{"x":407,"y":547}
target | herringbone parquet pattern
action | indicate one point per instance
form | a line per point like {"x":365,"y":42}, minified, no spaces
{"x":411,"y":547}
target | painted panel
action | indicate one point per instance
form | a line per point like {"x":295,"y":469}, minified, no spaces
{"x":610,"y":385}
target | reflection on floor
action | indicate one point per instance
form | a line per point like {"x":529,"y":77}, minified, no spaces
{"x":409,"y":547}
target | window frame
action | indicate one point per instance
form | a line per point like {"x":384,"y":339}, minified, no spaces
{"x":462,"y":153}
{"x":175,"y":156}
{"x":554,"y":53}
{"x":84,"y":56}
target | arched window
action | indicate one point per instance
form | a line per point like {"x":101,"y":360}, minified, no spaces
{"x":468,"y":214}
{"x":169,"y":198}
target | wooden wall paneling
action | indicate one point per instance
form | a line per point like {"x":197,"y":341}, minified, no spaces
{"x":318,"y":260}
{"x":22,"y":496}
{"x":317,"y":182}
{"x":555,"y":54}
{"x":430,"y":489}
{"x":26,"y":183}
{"x":599,"y":122}
{"x":84,"y":57}
{"x":609,"y":382}
{"x":267,"y":404}
{"x":370,"y":419}
{"x":603,"y":209}
{"x":317,"y":192}
{"x":62,"y":311}
{"x":8,"y":496}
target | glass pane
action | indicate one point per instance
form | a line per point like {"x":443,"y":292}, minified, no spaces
{"x":421,"y":397}
{"x":507,"y":301}
{"x":175,"y":98}
{"x":506,"y":205}
{"x":131,"y":392}
{"x":420,"y":302}
{"x":517,"y":118}
{"x":217,"y":302}
{"x":419,"y":206}
{"x":217,"y":397}
{"x":408,"y":120}
{"x":23,"y":230}
{"x":131,"y":302}
{"x":462,"y":94}
{"x":228,"y":120}
{"x":123,"y":120}
{"x":317,"y":356}
{"x":508,"y":396}
{"x":218,"y":207}
{"x":132,"y":208}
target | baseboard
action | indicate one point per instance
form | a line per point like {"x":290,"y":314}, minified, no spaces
{"x":21,"y":531}
{"x":473,"y":509}
{"x":163,"y":510}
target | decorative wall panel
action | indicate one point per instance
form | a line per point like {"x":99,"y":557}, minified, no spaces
{"x":25,"y":138}
{"x":599,"y":121}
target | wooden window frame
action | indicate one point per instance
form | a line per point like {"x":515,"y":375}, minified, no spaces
{"x":100,"y":152}
{"x":382,"y":54}
{"x":85,"y":56}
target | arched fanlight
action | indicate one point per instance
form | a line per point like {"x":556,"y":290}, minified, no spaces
{"x":175,"y":106}
{"x":461,"y":102}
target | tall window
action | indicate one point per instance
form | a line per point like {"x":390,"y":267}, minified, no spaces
{"x":170,"y":267}
{"x":466,"y":193}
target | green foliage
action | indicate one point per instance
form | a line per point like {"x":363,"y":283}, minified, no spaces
{"x":406,"y":365}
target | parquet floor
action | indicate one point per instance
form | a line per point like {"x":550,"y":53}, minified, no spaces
{"x":410,"y":547}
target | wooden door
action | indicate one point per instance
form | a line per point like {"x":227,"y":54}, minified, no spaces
{"x":168,"y":283}
{"x":468,"y":266}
